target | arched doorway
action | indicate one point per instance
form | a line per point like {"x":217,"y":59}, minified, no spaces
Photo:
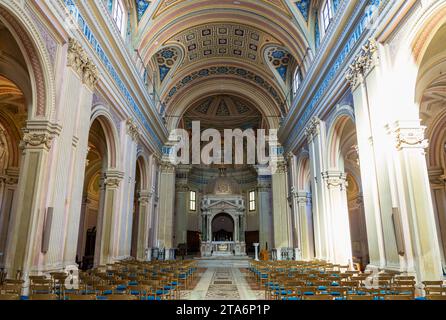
{"x":136,"y":219}
{"x":344,"y":159}
{"x":431,"y":96}
{"x":93,"y":196}
{"x":223,"y":227}
{"x":15,"y":99}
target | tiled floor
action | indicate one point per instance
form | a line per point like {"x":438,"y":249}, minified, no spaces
{"x":223,"y":284}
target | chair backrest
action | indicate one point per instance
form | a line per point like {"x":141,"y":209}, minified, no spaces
{"x":436,"y":297}
{"x":398,"y":297}
{"x":318,"y":297}
{"x":360,"y":297}
{"x":9,"y":296}
{"x":44,"y":297}
{"x":121,"y":297}
{"x":81,"y":297}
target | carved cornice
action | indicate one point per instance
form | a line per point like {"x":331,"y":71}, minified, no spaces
{"x":9,"y":180}
{"x":335,"y":180}
{"x":410,"y":138}
{"x":112,"y":179}
{"x":132,"y":129}
{"x":366,"y":60}
{"x":282,"y":167}
{"x":39,"y":135}
{"x":182,"y":188}
{"x":82,"y":64}
{"x":167,"y":167}
{"x":312,"y":129}
{"x":145,"y":196}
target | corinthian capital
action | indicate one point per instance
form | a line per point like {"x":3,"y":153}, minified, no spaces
{"x":132,"y":129}
{"x":367,"y":58}
{"x":313,"y":128}
{"x":39,"y":135}
{"x":410,"y":135}
{"x":91,"y":74}
{"x":167,"y":167}
{"x":82,"y":64}
{"x":113,"y":178}
{"x":335,"y":180}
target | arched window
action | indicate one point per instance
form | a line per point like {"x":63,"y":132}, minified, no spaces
{"x":296,"y":81}
{"x":120,"y":16}
{"x":326,"y":14}
{"x":192,"y":201}
{"x":252,"y":201}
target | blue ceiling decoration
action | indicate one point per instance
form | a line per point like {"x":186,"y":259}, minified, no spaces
{"x":225,"y":70}
{"x":141,"y":7}
{"x":166,"y":59}
{"x":109,"y":5}
{"x":279,"y":59}
{"x":304,"y":8}
{"x":336,"y":5}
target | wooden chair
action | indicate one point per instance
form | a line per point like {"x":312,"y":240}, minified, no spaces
{"x":318,"y":297}
{"x":9,"y":296}
{"x":121,"y":297}
{"x":44,"y":297}
{"x":360,"y":297}
{"x":436,"y":297}
{"x":398,"y":297}
{"x":81,"y":297}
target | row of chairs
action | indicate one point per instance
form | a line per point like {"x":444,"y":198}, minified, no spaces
{"x":320,"y":280}
{"x":124,"y":280}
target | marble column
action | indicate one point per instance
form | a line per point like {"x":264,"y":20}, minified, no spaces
{"x":339,"y":224}
{"x":316,"y":137}
{"x":8,"y":187}
{"x":437,"y":179}
{"x":24,"y":244}
{"x":265,"y":212}
{"x":106,"y":241}
{"x":181,"y":204}
{"x":418,"y":208}
{"x":305,"y":217}
{"x":82,"y":228}
{"x":144,"y":199}
{"x":166,"y":205}
{"x":81,"y":77}
{"x":366,"y":78}
{"x":280,"y":206}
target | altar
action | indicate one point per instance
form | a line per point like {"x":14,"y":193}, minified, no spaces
{"x":223,"y":220}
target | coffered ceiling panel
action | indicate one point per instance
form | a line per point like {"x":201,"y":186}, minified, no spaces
{"x":223,"y":41}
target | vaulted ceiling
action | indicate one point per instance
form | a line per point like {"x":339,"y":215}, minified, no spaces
{"x":247,"y":48}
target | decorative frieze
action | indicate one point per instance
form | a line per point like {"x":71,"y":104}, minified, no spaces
{"x":132,"y":129}
{"x":81,"y":64}
{"x":335,"y":180}
{"x":363,"y":63}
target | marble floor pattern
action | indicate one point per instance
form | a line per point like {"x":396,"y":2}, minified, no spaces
{"x":223,"y":284}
